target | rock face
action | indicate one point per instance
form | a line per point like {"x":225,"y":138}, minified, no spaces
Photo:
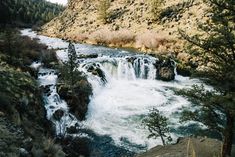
{"x":165,"y":70}
{"x":131,"y":23}
{"x":187,"y":147}
{"x":78,"y":99}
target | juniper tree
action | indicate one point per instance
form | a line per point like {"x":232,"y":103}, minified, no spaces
{"x":156,"y":6}
{"x":157,"y":126}
{"x":103,"y":12}
{"x":216,"y":46}
{"x":69,"y":70}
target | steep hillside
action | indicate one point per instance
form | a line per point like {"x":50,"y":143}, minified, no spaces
{"x":26,"y":13}
{"x":130,"y":23}
{"x":24,"y":129}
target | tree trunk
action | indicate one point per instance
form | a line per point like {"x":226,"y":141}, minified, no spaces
{"x":228,"y":136}
{"x":163,"y":141}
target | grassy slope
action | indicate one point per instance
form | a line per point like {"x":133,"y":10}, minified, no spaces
{"x":132,"y":24}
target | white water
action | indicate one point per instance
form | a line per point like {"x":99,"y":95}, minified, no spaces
{"x":48,"y":77}
{"x":118,"y":106}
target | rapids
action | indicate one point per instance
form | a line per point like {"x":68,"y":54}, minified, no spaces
{"x":122,"y":97}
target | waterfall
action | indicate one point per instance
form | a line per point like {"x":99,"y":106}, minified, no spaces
{"x":124,"y":90}
{"x":53,"y":103}
{"x":128,"y":68}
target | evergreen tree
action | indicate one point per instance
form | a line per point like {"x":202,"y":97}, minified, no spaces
{"x":72,"y":62}
{"x":156,"y":6}
{"x":216,"y":46}
{"x":157,"y":126}
{"x":70,"y":73}
{"x":103,"y":12}
{"x":27,"y":11}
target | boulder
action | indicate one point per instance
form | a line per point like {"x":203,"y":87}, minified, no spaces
{"x":58,"y":114}
{"x":95,"y":70}
{"x":166,"y":74}
{"x":166,"y":70}
{"x":85,"y":56}
{"x":183,"y":70}
{"x":77,"y":98}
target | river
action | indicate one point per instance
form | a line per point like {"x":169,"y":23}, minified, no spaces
{"x":119,"y":103}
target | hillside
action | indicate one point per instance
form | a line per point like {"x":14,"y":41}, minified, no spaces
{"x":26,"y":13}
{"x":24,"y":129}
{"x":130,"y":23}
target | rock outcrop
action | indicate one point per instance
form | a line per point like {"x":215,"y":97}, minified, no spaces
{"x":77,"y":98}
{"x":187,"y":147}
{"x":166,"y":70}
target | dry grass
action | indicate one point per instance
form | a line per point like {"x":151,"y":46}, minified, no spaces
{"x":146,"y":41}
{"x":151,"y":40}
{"x":79,"y":37}
{"x":105,"y":36}
{"x":133,"y":18}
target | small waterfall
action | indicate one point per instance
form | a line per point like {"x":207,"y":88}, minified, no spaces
{"x":128,"y":68}
{"x":57,"y":109}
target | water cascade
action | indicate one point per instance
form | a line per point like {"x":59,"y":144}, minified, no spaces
{"x":124,"y":90}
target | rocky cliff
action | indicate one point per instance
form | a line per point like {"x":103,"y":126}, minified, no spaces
{"x":130,"y":23}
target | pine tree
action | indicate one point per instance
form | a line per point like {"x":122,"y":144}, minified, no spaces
{"x":157,"y":126}
{"x":27,"y":11}
{"x":69,"y":71}
{"x":216,"y":45}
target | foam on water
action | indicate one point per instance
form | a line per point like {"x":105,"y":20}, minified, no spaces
{"x":47,"y":79}
{"x":130,"y":91}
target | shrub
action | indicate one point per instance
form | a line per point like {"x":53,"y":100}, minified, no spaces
{"x":47,"y":148}
{"x":121,"y":37}
{"x":21,"y":51}
{"x":151,"y":40}
{"x":100,"y":36}
{"x":103,"y":12}
{"x":156,"y":6}
{"x":105,"y":36}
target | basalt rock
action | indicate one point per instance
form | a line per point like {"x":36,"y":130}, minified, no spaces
{"x":83,"y":56}
{"x":166,"y":70}
{"x":95,"y":70}
{"x":77,"y":97}
{"x":184,"y":70}
{"x":58,"y":114}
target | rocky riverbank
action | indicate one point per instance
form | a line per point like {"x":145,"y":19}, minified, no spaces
{"x":24,"y":129}
{"x":189,"y":146}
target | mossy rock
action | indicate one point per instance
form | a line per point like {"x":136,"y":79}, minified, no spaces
{"x":77,"y":97}
{"x":183,"y":69}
